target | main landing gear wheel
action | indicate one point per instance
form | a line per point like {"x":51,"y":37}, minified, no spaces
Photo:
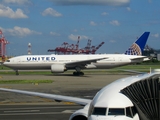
{"x":17,"y":73}
{"x":78,"y":73}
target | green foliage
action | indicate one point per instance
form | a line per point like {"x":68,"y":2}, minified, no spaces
{"x":24,"y":81}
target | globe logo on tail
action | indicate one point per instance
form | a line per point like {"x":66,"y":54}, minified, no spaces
{"x":134,"y":50}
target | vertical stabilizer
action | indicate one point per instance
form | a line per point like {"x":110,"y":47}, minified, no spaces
{"x":138,"y":46}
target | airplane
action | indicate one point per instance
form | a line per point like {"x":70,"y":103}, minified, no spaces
{"x":130,"y":98}
{"x":62,"y":63}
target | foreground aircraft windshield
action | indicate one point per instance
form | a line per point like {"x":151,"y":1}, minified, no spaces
{"x":129,"y":111}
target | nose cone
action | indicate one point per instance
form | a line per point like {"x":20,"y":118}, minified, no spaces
{"x":4,"y":64}
{"x":7,"y":64}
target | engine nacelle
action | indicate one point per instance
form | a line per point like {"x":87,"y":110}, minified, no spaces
{"x":81,"y":114}
{"x":58,"y":68}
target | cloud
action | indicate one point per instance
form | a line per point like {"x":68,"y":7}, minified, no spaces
{"x":149,"y":1}
{"x":92,"y":23}
{"x":75,"y":37}
{"x":115,"y":23}
{"x":104,"y":13}
{"x":93,"y":2}
{"x":20,"y":31}
{"x":128,"y":8}
{"x":156,"y":35}
{"x":54,"y":34}
{"x":19,"y":2}
{"x":8,"y":12}
{"x":75,"y":30}
{"x":112,"y":41}
{"x":51,"y":12}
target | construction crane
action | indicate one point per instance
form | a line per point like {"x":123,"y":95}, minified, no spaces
{"x":3,"y":43}
{"x":77,"y":45}
{"x":89,"y":49}
{"x":65,"y":48}
{"x":94,"y":49}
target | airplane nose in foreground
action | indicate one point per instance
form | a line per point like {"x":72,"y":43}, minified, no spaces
{"x":5,"y":64}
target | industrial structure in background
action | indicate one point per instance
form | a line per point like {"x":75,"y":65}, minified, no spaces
{"x":66,"y":48}
{"x":29,"y":49}
{"x":3,"y":43}
{"x":153,"y":54}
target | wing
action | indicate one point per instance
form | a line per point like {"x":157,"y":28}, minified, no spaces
{"x":58,"y":98}
{"x":83,"y":62}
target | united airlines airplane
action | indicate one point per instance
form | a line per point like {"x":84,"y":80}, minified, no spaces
{"x":131,"y":98}
{"x":62,"y":63}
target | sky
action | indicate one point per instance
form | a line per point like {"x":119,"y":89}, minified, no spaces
{"x":47,"y":24}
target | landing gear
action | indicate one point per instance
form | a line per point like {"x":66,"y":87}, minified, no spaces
{"x":78,"y":72}
{"x":17,"y":73}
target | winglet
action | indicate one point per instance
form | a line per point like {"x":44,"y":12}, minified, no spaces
{"x":138,"y":46}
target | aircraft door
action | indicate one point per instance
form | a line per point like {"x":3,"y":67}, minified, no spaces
{"x":18,"y":61}
{"x":120,"y":58}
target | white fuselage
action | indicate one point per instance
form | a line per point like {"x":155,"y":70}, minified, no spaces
{"x":45,"y":61}
{"x":111,"y":104}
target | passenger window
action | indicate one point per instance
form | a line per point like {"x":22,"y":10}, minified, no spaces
{"x":128,"y":112}
{"x":99,"y":111}
{"x":116,"y":111}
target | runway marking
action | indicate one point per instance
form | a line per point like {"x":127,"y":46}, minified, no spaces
{"x":38,"y":108}
{"x":69,"y":103}
{"x":88,"y":96}
{"x":21,"y":111}
{"x":42,"y":113}
{"x":68,"y":111}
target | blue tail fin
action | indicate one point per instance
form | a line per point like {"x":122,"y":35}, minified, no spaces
{"x":138,"y":46}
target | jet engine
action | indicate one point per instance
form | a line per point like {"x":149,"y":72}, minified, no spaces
{"x":81,"y":114}
{"x":58,"y":68}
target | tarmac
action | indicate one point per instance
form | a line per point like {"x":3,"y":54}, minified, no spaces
{"x":79,"y":86}
{"x":23,"y":107}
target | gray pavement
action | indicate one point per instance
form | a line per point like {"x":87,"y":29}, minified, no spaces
{"x":37,"y":112}
{"x":64,"y":85}
{"x":84,"y":87}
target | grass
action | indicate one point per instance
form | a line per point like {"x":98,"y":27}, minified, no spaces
{"x":24,"y":81}
{"x":25,"y":72}
{"x":142,"y":68}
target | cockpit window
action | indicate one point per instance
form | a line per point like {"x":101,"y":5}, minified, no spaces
{"x":7,"y":60}
{"x":99,"y":111}
{"x":116,"y":111}
{"x":128,"y":112}
{"x":131,"y":111}
{"x":134,"y":110}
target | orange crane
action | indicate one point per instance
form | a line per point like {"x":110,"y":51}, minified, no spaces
{"x":94,"y":49}
{"x":74,"y":48}
{"x":65,"y":48}
{"x":3,"y":43}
